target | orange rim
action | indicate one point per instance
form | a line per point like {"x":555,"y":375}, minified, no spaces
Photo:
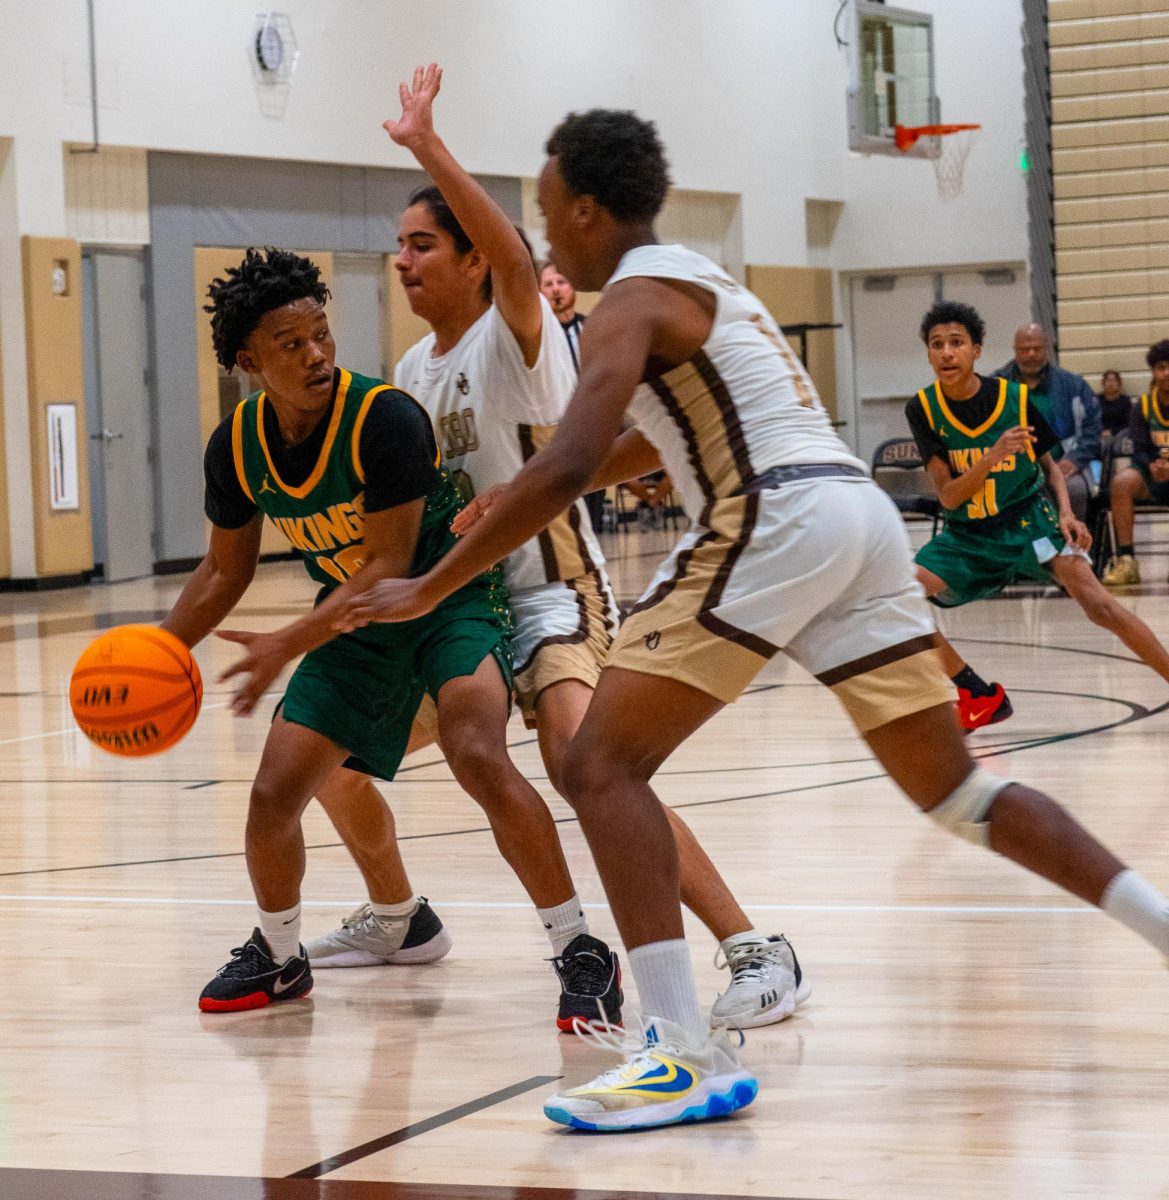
{"x":904,"y":136}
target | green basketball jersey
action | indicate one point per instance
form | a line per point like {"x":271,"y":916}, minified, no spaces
{"x":324,"y":518}
{"x":1158,"y":422}
{"x":1015,"y":479}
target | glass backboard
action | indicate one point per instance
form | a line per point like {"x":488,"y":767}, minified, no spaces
{"x":891,"y":77}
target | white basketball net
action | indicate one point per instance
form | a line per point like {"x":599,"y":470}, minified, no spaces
{"x":950,"y":164}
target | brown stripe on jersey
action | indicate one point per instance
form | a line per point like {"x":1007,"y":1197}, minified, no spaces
{"x":882,"y":658}
{"x":686,"y":429}
{"x":706,"y":617}
{"x":668,"y":585}
{"x":563,"y":549}
{"x":730,"y":415}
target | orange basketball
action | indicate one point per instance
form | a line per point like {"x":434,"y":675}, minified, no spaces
{"x":136,"y":690}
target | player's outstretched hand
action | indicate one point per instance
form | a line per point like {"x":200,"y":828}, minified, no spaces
{"x":476,"y":510}
{"x":1076,"y":533}
{"x":264,"y":659}
{"x":387,"y":600}
{"x":1014,"y":441}
{"x":416,"y":121}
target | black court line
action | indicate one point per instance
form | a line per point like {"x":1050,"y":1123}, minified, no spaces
{"x":420,"y":1127}
{"x":1137,"y":712}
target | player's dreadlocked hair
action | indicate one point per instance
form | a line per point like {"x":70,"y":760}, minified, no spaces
{"x":951,"y":312}
{"x":262,"y":282}
{"x":615,"y":157}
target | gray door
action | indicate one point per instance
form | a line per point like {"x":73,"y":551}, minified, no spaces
{"x":120,"y":474}
{"x":357,"y":314}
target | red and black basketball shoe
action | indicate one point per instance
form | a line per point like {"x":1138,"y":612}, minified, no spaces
{"x":590,"y":984}
{"x":253,"y":979}
{"x":976,"y":711}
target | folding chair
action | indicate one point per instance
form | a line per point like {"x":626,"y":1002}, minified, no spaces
{"x":899,"y":472}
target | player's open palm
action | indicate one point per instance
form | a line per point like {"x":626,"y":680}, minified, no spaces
{"x":416,"y":121}
{"x":1015,"y":441}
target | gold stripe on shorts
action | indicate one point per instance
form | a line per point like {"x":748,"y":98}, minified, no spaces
{"x":891,"y":683}
{"x":563,"y":549}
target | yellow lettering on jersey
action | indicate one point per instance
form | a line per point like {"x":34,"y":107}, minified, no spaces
{"x":332,"y":528}
{"x":353,"y":521}
{"x":1160,"y":437}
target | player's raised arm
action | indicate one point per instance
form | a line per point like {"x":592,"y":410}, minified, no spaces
{"x":515,"y":288}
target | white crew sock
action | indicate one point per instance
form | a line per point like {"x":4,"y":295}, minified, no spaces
{"x":1133,"y":901}
{"x":281,"y":931}
{"x":394,"y":913}
{"x":665,"y":985}
{"x":564,"y":922}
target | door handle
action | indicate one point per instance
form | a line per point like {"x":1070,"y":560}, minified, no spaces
{"x":106,"y":435}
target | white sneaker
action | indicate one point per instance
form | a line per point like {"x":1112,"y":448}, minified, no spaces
{"x":664,"y":1081}
{"x":767,"y":984}
{"x":366,"y":940}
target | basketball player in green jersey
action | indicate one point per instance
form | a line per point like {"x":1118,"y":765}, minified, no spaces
{"x":347,"y":468}
{"x":1008,"y":517}
{"x":1148,"y":477}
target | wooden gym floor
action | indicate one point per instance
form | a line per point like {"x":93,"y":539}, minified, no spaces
{"x":972,"y":1032}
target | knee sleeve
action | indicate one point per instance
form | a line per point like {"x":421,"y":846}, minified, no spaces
{"x":963,"y":812}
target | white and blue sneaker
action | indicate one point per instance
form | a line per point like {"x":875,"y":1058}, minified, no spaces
{"x":767,"y":984}
{"x":664,"y":1080}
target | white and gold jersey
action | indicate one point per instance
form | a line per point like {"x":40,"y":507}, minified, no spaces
{"x":742,"y":405}
{"x":491,"y":413}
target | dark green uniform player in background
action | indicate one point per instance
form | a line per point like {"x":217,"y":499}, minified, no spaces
{"x":347,"y":468}
{"x":1007,"y":513}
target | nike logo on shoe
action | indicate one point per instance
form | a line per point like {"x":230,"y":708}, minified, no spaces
{"x":282,"y":985}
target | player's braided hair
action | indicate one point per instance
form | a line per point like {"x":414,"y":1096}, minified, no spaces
{"x":265,"y":280}
{"x":951,"y":312}
{"x":1158,"y":353}
{"x":615,"y":157}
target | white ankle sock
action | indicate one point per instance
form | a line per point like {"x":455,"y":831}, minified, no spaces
{"x":1133,"y":901}
{"x":564,"y":922}
{"x":665,"y":986}
{"x":395,"y":912}
{"x":281,"y":931}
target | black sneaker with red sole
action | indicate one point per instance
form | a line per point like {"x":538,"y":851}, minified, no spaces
{"x":253,"y":979}
{"x":590,"y":984}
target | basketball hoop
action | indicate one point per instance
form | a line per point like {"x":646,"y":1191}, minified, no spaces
{"x":953,"y":143}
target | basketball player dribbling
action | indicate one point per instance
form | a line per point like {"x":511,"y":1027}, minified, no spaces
{"x":793,"y":547}
{"x":495,"y":376}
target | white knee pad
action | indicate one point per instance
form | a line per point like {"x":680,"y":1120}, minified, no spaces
{"x":963,"y":812}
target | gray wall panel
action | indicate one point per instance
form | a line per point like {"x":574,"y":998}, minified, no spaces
{"x":198,"y":200}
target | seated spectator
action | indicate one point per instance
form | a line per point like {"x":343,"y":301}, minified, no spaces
{"x":1115,"y":406}
{"x":1148,"y":477}
{"x":1070,"y":406}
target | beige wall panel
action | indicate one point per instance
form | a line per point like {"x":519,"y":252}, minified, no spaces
{"x":1119,"y":29}
{"x":1111,"y":81}
{"x":1110,"y":107}
{"x":64,"y":540}
{"x":211,"y":262}
{"x":1080,"y":10}
{"x":1145,"y":181}
{"x":1128,"y":360}
{"x":1136,"y":131}
{"x":106,"y":196}
{"x":1114,"y":208}
{"x":1106,"y":57}
{"x":1140,"y":156}
{"x":1114,"y":283}
{"x":1110,"y":309}
{"x":1107,"y":337}
{"x":1111,"y":258}
{"x":1116,"y":233}
{"x":795,"y":295}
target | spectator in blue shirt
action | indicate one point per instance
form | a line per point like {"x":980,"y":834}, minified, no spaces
{"x":1068,"y":403}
